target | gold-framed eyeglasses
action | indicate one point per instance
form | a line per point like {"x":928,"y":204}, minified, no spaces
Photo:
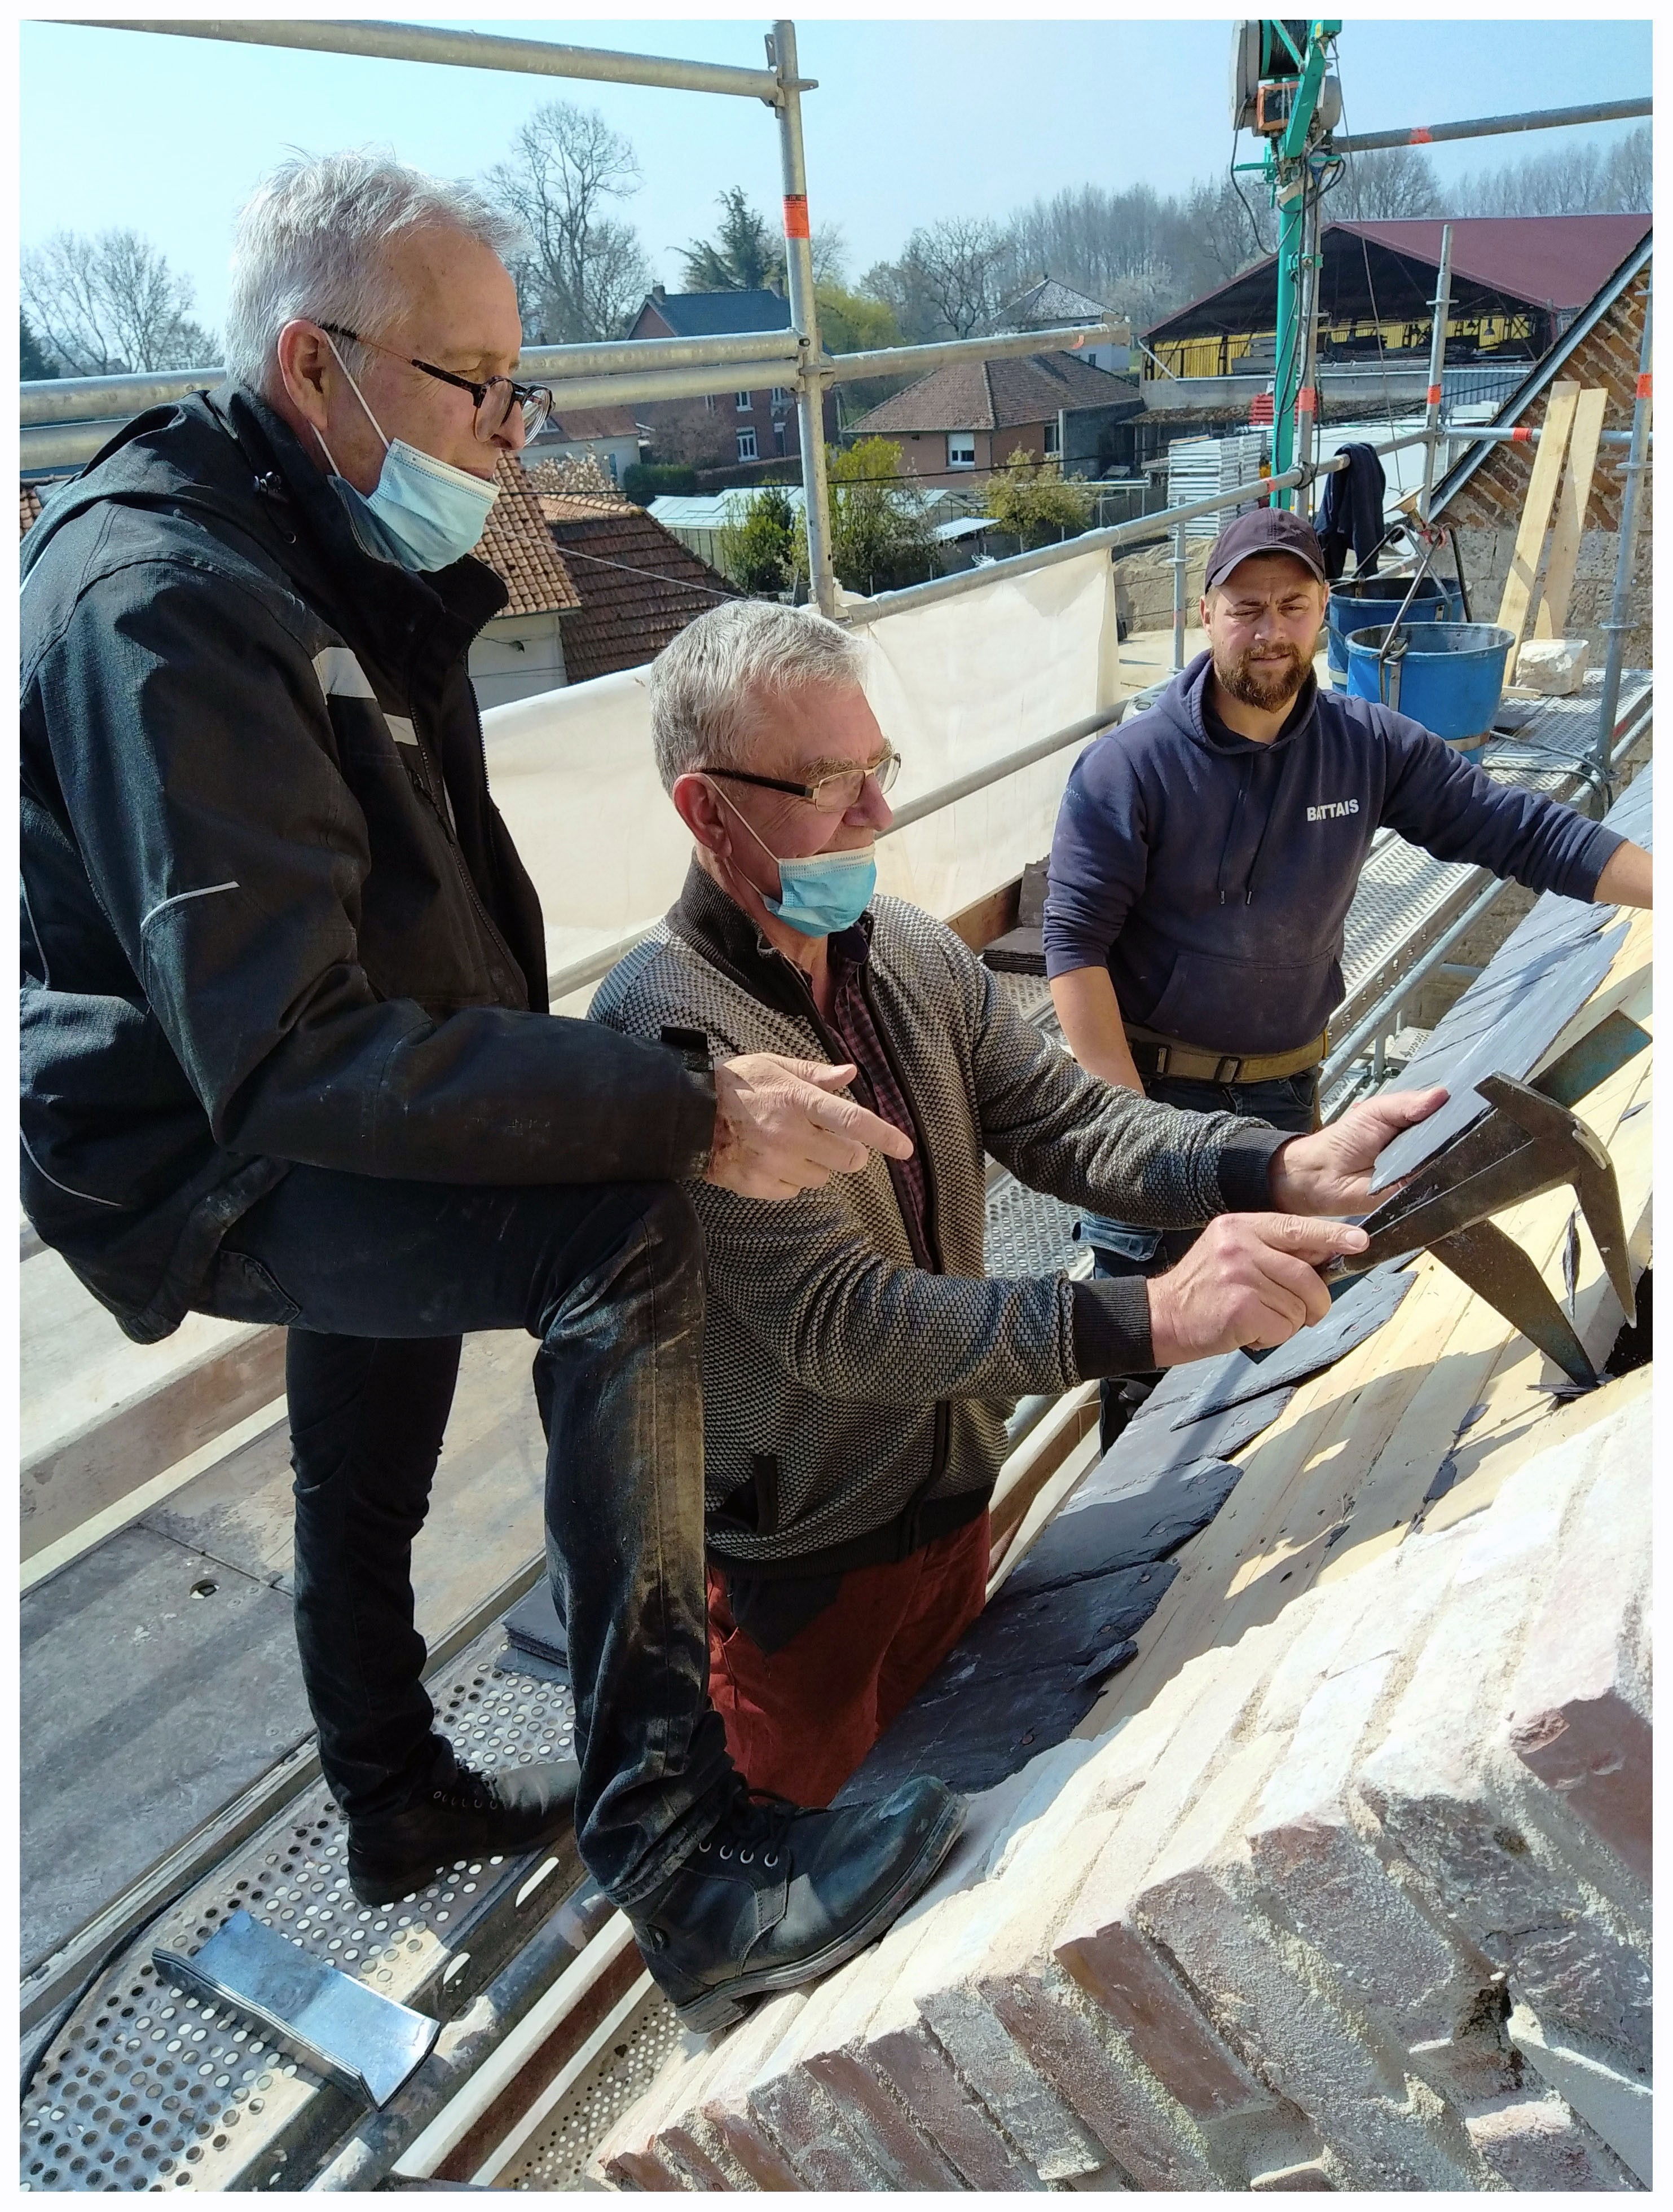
{"x":495,"y":398}
{"x":831,"y":794}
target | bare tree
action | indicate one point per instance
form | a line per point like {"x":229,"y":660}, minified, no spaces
{"x":112,"y":304}
{"x":959,"y":266}
{"x":584,"y":271}
{"x":1629,"y":174}
{"x":1384,"y":186}
{"x":1570,"y":179}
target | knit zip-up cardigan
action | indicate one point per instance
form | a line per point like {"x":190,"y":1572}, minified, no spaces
{"x":855,"y":1402}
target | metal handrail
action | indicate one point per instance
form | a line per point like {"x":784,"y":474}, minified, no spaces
{"x":1492,"y":126}
{"x":593,"y":965}
{"x":409,"y":42}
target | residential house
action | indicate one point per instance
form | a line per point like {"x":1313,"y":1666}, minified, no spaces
{"x":1049,"y":306}
{"x":959,"y":423}
{"x":737,"y":430}
{"x":638,"y":587}
{"x":608,"y":435}
{"x":521,"y":651}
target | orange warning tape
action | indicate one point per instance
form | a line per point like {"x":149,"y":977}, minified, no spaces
{"x":1434,"y":395}
{"x":1643,"y":388}
{"x":796,"y":215}
{"x":1522,"y":436}
{"x":1421,"y":138}
{"x":1306,"y":401}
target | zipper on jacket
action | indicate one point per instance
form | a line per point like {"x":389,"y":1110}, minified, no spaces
{"x":426,"y":787}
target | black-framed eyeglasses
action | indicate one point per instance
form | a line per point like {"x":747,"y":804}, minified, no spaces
{"x":494,"y":399}
{"x":831,"y":794}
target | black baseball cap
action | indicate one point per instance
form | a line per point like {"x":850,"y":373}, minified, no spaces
{"x":1266,"y":530}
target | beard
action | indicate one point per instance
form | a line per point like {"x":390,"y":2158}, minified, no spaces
{"x":1268,"y":683}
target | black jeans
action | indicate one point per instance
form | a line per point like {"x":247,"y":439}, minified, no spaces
{"x":378,"y":1281}
{"x":1121,"y":1248}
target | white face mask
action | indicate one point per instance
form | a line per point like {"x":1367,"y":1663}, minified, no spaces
{"x":423,"y":513}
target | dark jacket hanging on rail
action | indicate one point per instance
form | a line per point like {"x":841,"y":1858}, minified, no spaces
{"x":1351,"y":513}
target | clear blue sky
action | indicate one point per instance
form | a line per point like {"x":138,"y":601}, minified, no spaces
{"x":912,"y":121}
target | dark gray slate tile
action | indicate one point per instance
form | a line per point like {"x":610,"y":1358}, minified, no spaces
{"x":144,"y":1711}
{"x":1025,"y":1675}
{"x":1115,"y":1520}
{"x":1510,"y":1047}
{"x":1359,"y":1312}
{"x":532,"y":1625}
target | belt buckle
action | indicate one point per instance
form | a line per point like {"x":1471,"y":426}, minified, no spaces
{"x":1228,"y":1069}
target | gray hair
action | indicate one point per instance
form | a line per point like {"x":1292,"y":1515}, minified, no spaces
{"x":708,"y":686}
{"x":312,"y":240}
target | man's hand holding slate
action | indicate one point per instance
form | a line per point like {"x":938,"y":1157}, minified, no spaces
{"x":1330,"y":1171}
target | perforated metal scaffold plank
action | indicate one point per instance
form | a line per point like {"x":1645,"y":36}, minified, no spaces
{"x":147,"y":2088}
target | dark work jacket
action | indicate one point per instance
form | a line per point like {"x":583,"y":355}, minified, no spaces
{"x":270,"y":913}
{"x":1351,"y":513}
{"x":1212,"y":875}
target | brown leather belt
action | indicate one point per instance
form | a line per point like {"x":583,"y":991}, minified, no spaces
{"x":1154,"y":1055}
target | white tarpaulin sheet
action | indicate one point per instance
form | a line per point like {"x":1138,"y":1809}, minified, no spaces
{"x":955,"y":685}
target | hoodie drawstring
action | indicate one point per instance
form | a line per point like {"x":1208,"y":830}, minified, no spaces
{"x":1231,"y":826}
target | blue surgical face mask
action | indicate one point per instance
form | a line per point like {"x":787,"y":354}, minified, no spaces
{"x":823,"y":893}
{"x":422,"y":514}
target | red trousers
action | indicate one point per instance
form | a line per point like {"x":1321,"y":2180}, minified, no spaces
{"x":801,"y":1719}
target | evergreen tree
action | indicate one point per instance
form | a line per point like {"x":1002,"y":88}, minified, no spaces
{"x":33,"y":364}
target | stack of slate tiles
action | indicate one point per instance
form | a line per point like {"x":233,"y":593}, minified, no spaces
{"x":1032,"y":1666}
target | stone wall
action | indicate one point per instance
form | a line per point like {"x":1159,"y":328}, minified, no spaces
{"x":1359,"y":1902}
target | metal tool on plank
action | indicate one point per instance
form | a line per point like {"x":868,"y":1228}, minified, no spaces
{"x":1526,"y":1145}
{"x":352,"y":2034}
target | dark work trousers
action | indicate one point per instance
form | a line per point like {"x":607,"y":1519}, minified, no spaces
{"x":378,"y":1280}
{"x":1120,"y":1248}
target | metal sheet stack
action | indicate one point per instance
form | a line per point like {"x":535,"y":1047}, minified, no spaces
{"x":1199,"y":468}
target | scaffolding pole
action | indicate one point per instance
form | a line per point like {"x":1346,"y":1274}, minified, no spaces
{"x":1492,"y":126}
{"x":411,"y":42}
{"x":804,"y":317}
{"x":1441,"y":306}
{"x":1626,"y":549}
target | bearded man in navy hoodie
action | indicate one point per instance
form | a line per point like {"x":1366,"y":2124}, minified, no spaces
{"x":1207,"y":850}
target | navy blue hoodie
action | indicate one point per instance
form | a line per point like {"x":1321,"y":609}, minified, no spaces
{"x":1212,"y":875}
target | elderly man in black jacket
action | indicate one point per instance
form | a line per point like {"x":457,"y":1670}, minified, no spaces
{"x":287,"y":1058}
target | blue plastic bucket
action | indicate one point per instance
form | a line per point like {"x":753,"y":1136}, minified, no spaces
{"x":1366,"y":601}
{"x":1448,"y":678}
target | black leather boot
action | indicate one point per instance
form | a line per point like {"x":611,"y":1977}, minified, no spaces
{"x":461,"y":1814}
{"x":773,"y":1896}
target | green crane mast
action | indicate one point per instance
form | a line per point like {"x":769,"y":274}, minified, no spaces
{"x":1281,"y":90}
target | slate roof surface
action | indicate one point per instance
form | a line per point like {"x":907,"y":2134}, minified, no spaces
{"x":719,"y":314}
{"x":638,"y":586}
{"x":518,"y":546}
{"x":995,"y":395}
{"x":1050,"y":302}
{"x":576,"y":423}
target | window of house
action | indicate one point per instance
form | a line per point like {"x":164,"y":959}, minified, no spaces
{"x":1051,"y":439}
{"x":746,"y":444}
{"x":744,"y":403}
{"x":778,"y":436}
{"x":709,"y":401}
{"x":961,"y":449}
{"x":780,"y":396}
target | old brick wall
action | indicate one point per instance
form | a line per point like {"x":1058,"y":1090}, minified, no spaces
{"x":1359,"y":1902}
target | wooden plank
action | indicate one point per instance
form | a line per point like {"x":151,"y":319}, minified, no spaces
{"x":987,"y":917}
{"x":1572,"y":506}
{"x":1537,"y":510}
{"x":103,"y":1417}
